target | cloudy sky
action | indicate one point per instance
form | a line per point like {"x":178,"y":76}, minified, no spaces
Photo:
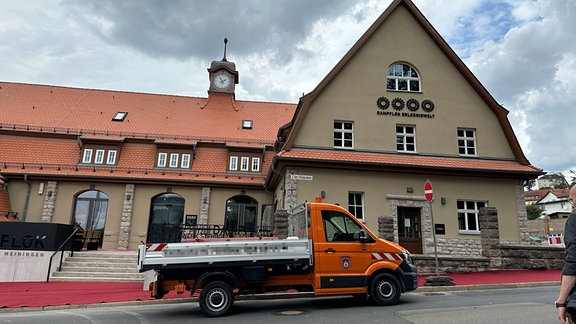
{"x":523,"y":51}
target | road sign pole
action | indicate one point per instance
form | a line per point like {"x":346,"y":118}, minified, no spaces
{"x":436,"y":280}
{"x":434,"y":239}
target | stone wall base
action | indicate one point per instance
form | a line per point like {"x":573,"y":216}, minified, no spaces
{"x":450,"y":264}
{"x":512,"y":257}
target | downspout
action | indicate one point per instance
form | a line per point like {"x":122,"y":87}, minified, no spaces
{"x":27,"y":200}
{"x":282,"y":189}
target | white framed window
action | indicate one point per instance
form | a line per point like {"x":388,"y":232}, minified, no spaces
{"x":185,"y":164}
{"x":162,"y":160}
{"x":356,"y":204}
{"x":111,"y":159}
{"x":233,"y":163}
{"x":173,"y":160}
{"x":406,"y":138}
{"x":468,"y":216}
{"x":256,"y":164}
{"x":343,"y":134}
{"x":99,"y":157}
{"x":87,"y":156}
{"x":244,"y":161}
{"x":466,"y":142}
{"x":402,"y":77}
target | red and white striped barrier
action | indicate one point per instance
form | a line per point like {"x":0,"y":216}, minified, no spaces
{"x":556,"y":239}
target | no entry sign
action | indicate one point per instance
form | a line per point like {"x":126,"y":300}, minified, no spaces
{"x":428,"y":193}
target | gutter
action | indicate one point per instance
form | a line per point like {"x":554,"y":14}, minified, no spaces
{"x":27,"y":199}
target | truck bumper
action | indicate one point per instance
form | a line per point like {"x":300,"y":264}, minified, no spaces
{"x":409,"y":276}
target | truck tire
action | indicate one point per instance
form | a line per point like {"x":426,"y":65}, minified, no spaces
{"x":216,"y":298}
{"x":385,"y":290}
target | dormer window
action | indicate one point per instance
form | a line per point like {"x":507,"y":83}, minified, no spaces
{"x":173,"y":160}
{"x":244,"y":164}
{"x":87,"y":156}
{"x":247,"y":124}
{"x":99,"y":156}
{"x":119,"y":116}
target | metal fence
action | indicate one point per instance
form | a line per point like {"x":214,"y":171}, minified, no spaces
{"x":220,"y":231}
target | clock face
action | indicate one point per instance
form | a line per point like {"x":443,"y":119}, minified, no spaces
{"x":221,"y":81}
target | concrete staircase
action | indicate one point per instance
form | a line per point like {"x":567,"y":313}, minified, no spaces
{"x":100,"y":266}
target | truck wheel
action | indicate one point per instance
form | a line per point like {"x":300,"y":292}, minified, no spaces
{"x":216,"y":298}
{"x":385,"y":290}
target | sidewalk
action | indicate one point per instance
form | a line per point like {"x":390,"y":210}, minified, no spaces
{"x":22,"y":296}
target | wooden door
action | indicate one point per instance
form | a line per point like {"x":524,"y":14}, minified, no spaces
{"x":409,"y":229}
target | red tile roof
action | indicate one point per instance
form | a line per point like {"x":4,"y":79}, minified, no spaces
{"x":42,"y":129}
{"x":86,"y":111}
{"x":535,"y":195}
{"x":409,"y":161}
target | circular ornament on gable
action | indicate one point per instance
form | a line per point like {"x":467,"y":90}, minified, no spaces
{"x":427,"y":105}
{"x":383,"y":103}
{"x":412,"y":104}
{"x":398,"y":103}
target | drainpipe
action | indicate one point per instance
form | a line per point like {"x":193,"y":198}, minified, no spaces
{"x":282,"y":188}
{"x":27,"y":200}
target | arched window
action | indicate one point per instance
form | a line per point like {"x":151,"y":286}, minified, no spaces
{"x":166,"y":217}
{"x":90,"y":208}
{"x":241,"y":214}
{"x":402,"y":77}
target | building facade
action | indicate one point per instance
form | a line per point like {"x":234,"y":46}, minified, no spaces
{"x":399,"y":109}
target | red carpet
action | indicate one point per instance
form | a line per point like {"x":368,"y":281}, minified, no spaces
{"x":37,"y":294}
{"x":500,"y":277}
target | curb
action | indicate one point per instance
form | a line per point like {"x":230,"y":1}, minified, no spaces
{"x":271,"y":296}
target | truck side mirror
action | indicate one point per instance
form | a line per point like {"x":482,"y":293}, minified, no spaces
{"x":362,"y":236}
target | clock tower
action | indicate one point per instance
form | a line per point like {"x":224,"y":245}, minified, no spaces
{"x":223,"y":75}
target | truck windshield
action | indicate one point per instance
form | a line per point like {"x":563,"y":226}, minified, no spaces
{"x":339,"y":227}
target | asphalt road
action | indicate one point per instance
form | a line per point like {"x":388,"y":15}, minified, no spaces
{"x":509,"y":306}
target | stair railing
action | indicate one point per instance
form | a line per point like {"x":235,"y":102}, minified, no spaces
{"x":60,"y":249}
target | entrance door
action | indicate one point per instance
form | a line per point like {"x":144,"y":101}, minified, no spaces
{"x":90,"y":212}
{"x":409,"y":229}
{"x":166,"y":218}
{"x":241,"y":214}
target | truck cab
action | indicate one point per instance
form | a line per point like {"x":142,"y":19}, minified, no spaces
{"x":349,"y":258}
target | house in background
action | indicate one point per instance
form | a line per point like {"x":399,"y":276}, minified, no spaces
{"x":552,"y":180}
{"x":556,"y":203}
{"x":533,"y":196}
{"x":398,"y":109}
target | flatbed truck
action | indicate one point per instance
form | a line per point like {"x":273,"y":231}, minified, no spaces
{"x":328,"y":252}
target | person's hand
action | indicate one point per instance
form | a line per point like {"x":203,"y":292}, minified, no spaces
{"x":564,"y":316}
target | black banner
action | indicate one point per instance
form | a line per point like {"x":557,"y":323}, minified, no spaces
{"x":33,"y":236}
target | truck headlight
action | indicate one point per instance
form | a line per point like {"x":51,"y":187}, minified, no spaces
{"x":406,"y":256}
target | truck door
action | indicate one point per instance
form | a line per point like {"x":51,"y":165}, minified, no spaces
{"x":340,"y":258}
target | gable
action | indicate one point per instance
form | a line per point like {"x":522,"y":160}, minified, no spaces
{"x":350,"y":92}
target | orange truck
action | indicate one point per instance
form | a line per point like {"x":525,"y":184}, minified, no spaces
{"x":328,"y":252}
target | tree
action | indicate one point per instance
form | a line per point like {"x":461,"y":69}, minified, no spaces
{"x":529,"y":184}
{"x":534,"y":211}
{"x":572,"y":178}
